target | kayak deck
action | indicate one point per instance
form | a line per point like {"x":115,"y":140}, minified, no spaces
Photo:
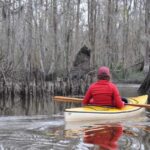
{"x":105,"y":112}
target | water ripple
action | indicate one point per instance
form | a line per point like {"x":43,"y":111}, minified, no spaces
{"x":49,"y":133}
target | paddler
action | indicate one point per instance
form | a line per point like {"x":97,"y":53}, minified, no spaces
{"x":103,"y":92}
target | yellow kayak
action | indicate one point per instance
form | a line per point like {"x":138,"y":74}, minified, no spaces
{"x":104,"y":112}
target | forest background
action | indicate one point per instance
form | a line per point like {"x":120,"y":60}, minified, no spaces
{"x":41,"y":40}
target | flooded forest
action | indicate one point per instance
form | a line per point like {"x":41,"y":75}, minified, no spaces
{"x":54,"y":47}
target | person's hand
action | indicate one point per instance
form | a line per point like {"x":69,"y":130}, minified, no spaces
{"x":125,"y":100}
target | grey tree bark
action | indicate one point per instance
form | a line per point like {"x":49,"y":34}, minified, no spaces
{"x":92,"y":14}
{"x":145,"y":86}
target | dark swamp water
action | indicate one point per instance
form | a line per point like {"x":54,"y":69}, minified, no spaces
{"x":41,"y":126}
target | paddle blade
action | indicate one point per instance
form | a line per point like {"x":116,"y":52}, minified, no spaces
{"x":67,"y":99}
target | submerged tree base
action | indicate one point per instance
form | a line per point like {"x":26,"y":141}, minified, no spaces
{"x":145,"y":87}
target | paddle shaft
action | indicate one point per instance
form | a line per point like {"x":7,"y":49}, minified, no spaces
{"x":79,"y":100}
{"x":67,"y":99}
{"x":140,"y":105}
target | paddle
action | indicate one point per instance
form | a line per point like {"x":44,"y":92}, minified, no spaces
{"x":140,"y":105}
{"x":79,"y":100}
{"x":67,"y":99}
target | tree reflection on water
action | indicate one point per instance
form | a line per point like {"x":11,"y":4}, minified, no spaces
{"x":35,"y":124}
{"x":49,"y":132}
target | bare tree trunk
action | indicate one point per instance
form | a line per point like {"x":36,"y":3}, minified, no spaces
{"x":92,"y":29}
{"x":147,"y":32}
{"x":67,"y":33}
{"x":41,"y":45}
{"x":7,"y":29}
{"x":108,"y":35}
{"x":76,"y":46}
{"x":111,"y":40}
{"x":145,"y":86}
{"x":13,"y":40}
{"x":125,"y":35}
{"x":28,"y":48}
{"x":55,"y":34}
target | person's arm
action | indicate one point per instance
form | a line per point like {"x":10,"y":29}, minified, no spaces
{"x":117,"y":98}
{"x":87,"y":97}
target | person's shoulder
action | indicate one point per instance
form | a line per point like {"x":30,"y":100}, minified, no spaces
{"x":93,"y":84}
{"x":113,"y":84}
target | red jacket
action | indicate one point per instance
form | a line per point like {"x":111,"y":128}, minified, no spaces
{"x":104,"y":93}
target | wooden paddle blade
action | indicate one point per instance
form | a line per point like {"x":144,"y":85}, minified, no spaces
{"x":67,"y":99}
{"x":140,"y":105}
